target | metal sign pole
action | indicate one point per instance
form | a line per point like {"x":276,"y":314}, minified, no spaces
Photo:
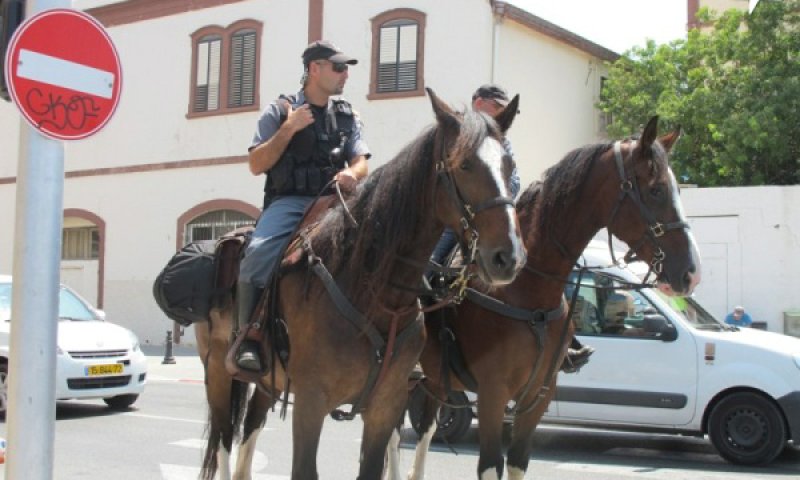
{"x":34,"y":313}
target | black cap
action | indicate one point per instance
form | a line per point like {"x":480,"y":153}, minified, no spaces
{"x":325,"y":50}
{"x":492,"y":92}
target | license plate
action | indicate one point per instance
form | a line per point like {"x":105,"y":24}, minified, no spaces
{"x":99,"y":370}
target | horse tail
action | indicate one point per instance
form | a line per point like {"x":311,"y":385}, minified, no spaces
{"x":223,"y":433}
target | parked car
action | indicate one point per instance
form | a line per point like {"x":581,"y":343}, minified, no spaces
{"x":667,"y":365}
{"x":95,"y":358}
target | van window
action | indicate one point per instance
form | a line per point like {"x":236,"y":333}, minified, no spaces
{"x":604,"y":307}
{"x":695,"y":314}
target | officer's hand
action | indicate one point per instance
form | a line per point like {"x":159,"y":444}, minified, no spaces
{"x":347,"y":181}
{"x":298,"y":119}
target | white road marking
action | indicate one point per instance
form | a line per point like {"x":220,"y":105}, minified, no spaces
{"x":182,"y":472}
{"x":63,"y":73}
{"x":161,"y":417}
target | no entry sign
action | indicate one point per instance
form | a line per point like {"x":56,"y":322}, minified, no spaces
{"x":64,"y":73}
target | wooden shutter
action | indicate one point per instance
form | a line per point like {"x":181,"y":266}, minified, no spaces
{"x":397,"y":63}
{"x":242,"y":83}
{"x":208,"y":74}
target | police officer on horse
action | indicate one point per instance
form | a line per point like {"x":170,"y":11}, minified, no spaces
{"x":302,"y":143}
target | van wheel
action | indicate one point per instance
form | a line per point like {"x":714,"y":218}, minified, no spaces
{"x":3,"y":389}
{"x":121,"y":402}
{"x":747,"y":429}
{"x":453,"y":423}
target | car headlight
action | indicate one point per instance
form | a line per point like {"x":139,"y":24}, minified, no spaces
{"x":796,"y":357}
{"x":61,"y":352}
{"x":134,"y":342}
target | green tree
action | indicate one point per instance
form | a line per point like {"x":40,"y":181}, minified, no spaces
{"x":734,"y":91}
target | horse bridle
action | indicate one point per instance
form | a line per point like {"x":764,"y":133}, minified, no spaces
{"x":629,"y":187}
{"x":468,"y":213}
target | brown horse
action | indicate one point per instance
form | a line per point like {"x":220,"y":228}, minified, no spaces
{"x":628,"y":188}
{"x":354,"y":325}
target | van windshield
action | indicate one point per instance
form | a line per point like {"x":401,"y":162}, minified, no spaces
{"x":695,"y":314}
{"x":69,"y":306}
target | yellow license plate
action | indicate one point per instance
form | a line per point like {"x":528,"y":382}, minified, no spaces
{"x":99,"y":370}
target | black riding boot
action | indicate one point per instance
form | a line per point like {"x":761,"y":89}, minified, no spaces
{"x":248,"y":356}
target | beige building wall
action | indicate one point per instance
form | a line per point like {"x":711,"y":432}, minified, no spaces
{"x":118,"y":175}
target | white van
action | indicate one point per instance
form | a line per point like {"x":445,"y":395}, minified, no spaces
{"x":667,"y":365}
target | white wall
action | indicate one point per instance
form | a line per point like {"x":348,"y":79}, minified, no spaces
{"x":757,"y":231}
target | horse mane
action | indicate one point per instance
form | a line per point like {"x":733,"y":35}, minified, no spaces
{"x":391,"y":207}
{"x":543,"y":201}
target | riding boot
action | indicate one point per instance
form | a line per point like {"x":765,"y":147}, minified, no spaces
{"x":577,"y":356}
{"x":248,"y":357}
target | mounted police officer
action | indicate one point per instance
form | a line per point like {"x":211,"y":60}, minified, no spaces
{"x":302,"y":142}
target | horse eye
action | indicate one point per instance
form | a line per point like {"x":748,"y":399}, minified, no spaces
{"x":465,"y":165}
{"x":656,"y":191}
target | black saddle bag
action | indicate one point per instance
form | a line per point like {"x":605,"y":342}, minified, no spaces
{"x":185,"y":288}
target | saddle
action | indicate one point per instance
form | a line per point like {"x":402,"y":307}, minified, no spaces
{"x":274,"y":345}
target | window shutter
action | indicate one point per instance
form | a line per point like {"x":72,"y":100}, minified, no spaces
{"x":397,"y":64}
{"x":208,"y":70}
{"x":241,"y":91}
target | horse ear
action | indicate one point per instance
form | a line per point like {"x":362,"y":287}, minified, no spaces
{"x":505,"y":118}
{"x":650,"y":132}
{"x":444,"y":114}
{"x":668,"y":141}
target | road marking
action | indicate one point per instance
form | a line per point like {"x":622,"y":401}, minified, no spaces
{"x":182,"y":472}
{"x":161,"y":417}
{"x":642,"y":471}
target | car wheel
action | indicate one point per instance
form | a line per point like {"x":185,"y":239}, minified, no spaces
{"x":453,"y":423}
{"x":3,"y":389}
{"x":121,"y":402}
{"x":747,"y":429}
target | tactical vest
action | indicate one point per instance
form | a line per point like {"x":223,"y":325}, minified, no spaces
{"x":314,"y":155}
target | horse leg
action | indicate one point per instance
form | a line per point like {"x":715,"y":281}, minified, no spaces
{"x":257,"y":410}
{"x":491,"y":410}
{"x":519,"y":451}
{"x":392,"y":467}
{"x":307,"y":418}
{"x":430,"y":409}
{"x":219,"y":388}
{"x":379,"y":424}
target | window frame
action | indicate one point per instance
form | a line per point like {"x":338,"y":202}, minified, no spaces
{"x":226,"y":35}
{"x":378,"y":22}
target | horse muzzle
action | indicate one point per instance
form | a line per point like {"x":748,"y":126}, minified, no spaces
{"x":499,"y":266}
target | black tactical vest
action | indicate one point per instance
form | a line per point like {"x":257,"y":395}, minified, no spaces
{"x":314,"y":155}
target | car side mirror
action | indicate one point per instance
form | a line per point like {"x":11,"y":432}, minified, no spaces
{"x":657,"y":324}
{"x":101,"y":314}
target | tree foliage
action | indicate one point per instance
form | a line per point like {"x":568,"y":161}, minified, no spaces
{"x":734,"y":90}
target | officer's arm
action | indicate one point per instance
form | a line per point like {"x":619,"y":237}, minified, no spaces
{"x":359,"y":167}
{"x":266,"y":155}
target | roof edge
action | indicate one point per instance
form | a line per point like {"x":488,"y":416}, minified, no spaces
{"x":529,"y":20}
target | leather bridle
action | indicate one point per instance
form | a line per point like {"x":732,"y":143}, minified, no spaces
{"x":629,"y":187}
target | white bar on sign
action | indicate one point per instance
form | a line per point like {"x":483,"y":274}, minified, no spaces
{"x":63,"y":73}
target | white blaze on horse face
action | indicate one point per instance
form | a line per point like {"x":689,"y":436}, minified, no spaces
{"x":694,"y":278}
{"x":491,"y":153}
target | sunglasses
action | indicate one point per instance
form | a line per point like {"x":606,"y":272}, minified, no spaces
{"x":336,"y":67}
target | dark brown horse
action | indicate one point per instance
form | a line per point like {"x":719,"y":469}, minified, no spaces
{"x":354,"y":327}
{"x":626,"y":187}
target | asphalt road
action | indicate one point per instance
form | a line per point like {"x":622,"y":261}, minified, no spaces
{"x":161,"y":438}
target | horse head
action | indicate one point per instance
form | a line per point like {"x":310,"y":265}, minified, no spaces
{"x":649,"y":216}
{"x":472,"y":188}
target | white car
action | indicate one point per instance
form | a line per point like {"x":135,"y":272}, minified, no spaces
{"x":665,"y":364}
{"x":95,"y":358}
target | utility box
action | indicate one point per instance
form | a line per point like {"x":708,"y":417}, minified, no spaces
{"x":791,"y":322}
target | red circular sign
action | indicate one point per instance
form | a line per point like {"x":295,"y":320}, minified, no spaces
{"x":64,"y":73}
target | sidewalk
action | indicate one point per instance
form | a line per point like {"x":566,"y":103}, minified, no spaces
{"x":187,"y":366}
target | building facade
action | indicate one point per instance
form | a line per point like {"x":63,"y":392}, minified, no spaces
{"x":170,"y":167}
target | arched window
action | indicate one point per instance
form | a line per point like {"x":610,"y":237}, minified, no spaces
{"x":225,"y":69}
{"x":397,"y":54}
{"x":214,"y":224}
